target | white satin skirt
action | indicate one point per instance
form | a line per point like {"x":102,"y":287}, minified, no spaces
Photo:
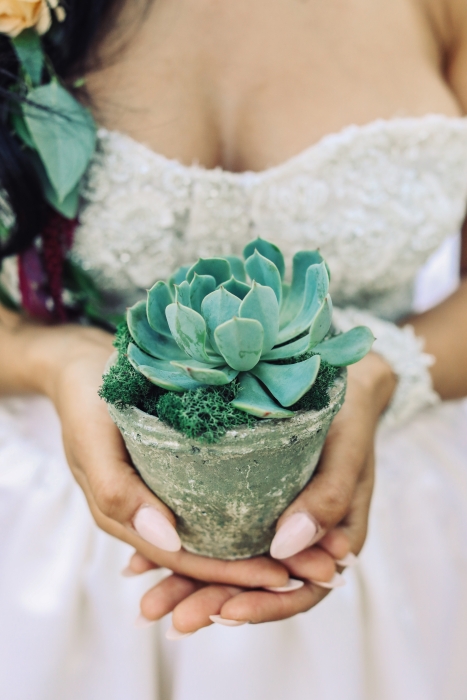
{"x":396,"y":631}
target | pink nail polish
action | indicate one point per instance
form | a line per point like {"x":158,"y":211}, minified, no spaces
{"x":349,"y":560}
{"x":226,"y":622}
{"x":142,"y":622}
{"x":293,"y":584}
{"x":297,"y":533}
{"x":174,"y":634}
{"x":128,"y":573}
{"x":154,"y":527}
{"x":336,"y":582}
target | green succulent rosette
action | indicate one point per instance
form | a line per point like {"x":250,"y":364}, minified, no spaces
{"x":226,"y":318}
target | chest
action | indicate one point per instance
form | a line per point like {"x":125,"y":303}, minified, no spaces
{"x":246,"y":85}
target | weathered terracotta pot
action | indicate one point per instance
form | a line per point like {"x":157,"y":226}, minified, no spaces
{"x":228,"y":496}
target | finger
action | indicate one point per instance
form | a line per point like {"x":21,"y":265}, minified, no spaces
{"x":327,"y":498}
{"x":355,"y":524}
{"x":194,"y":612}
{"x":166,"y":595}
{"x":259,"y":606}
{"x":118,"y":493}
{"x":138,"y":565}
{"x":312,"y":564}
{"x":337,"y":543}
{"x":346,"y":540}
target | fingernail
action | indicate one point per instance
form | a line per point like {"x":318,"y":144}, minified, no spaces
{"x":142,"y":621}
{"x":174,"y":634}
{"x":349,"y":560}
{"x":293,"y":584}
{"x":226,"y":622}
{"x":336,"y":582}
{"x":298,"y":532}
{"x":127,"y":572}
{"x":154,"y":527}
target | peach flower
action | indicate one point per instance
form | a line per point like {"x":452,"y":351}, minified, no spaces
{"x":16,"y":15}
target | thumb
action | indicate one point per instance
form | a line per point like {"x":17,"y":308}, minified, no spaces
{"x":327,"y":499}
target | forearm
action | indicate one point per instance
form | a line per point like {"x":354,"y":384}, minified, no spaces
{"x":32,"y":355}
{"x":444,"y":329}
{"x":20,"y":370}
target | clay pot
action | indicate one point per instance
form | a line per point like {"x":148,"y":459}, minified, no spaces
{"x":228,"y":496}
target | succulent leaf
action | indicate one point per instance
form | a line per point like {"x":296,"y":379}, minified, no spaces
{"x":269,"y":251}
{"x":155,"y":344}
{"x":217,"y":308}
{"x":288,"y":383}
{"x":261,"y":304}
{"x":285,"y":352}
{"x":179,"y":275}
{"x":237,"y":266}
{"x":200,"y":287}
{"x":318,"y":329}
{"x":160,"y":373}
{"x":240,"y":341}
{"x":315,"y":291}
{"x":347,"y":348}
{"x":182,"y":293}
{"x":189,"y":331}
{"x":219,"y":268}
{"x":321,"y":323}
{"x":262,"y":270}
{"x":207,"y":375}
{"x":240,"y":289}
{"x":301,"y":262}
{"x":159,"y":296}
{"x":253,"y":399}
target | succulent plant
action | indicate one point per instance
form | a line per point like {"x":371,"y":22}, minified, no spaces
{"x":209,"y":325}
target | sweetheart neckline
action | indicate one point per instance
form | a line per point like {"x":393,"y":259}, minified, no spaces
{"x":342,"y":136}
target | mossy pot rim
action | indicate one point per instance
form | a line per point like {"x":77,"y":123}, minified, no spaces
{"x":272,"y":429}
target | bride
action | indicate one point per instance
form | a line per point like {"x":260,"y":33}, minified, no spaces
{"x":335,"y":125}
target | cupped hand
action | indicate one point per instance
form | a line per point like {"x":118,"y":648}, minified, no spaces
{"x":320,"y":532}
{"x":120,"y":502}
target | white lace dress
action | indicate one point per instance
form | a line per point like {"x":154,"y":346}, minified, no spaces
{"x":377,"y":200}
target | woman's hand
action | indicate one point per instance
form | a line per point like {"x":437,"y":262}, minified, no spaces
{"x":71,"y":364}
{"x":321,"y":531}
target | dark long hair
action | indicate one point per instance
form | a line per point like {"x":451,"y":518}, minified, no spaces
{"x":68,"y":49}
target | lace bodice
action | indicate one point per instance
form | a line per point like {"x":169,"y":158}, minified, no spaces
{"x":376,"y":199}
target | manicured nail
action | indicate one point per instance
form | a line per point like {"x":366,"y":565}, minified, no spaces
{"x":349,"y":560}
{"x":142,"y":621}
{"x":226,"y":622}
{"x":293,"y":584}
{"x":154,"y":527}
{"x":297,"y":533}
{"x":336,"y":582}
{"x":174,"y":634}
{"x":127,"y":572}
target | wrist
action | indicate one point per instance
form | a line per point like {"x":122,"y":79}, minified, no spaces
{"x":54,"y":349}
{"x":375,"y":376}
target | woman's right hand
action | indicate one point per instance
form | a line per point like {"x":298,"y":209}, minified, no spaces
{"x":72,"y":361}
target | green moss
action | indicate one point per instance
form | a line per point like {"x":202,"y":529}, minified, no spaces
{"x":205,"y":414}
{"x":123,"y":386}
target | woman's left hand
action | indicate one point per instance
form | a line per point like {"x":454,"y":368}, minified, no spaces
{"x":318,"y":534}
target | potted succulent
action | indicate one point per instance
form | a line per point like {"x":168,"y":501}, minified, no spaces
{"x":233,"y":334}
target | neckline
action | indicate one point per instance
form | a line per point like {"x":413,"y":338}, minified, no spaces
{"x":333,"y":139}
